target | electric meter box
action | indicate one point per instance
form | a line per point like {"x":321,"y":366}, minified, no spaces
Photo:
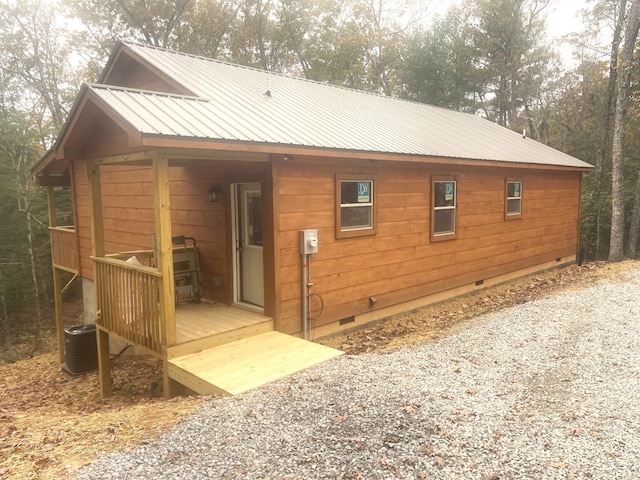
{"x":308,"y":241}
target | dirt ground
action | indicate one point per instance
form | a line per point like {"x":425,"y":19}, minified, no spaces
{"x":52,"y":423}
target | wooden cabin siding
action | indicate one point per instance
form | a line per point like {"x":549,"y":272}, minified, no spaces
{"x":128,"y":196}
{"x":400,"y":263}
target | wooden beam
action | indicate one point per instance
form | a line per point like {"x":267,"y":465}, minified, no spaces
{"x":62,"y":180}
{"x":164,"y":262}
{"x":104,"y":362}
{"x":57,"y":293}
{"x":95,"y":208}
{"x":294,"y":151}
{"x":198,"y":154}
{"x":98,"y":250}
{"x":271,"y":243}
{"x":144,"y":156}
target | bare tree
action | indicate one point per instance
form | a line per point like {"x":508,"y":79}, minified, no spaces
{"x":632,"y":245}
{"x":607,"y":115}
{"x":623,"y":82}
{"x":4,"y":320}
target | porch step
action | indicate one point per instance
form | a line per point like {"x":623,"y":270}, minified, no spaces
{"x":239,"y":366}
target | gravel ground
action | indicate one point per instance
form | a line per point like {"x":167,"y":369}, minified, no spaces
{"x":545,"y":390}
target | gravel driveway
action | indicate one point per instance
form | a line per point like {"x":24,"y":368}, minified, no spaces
{"x":547,"y":389}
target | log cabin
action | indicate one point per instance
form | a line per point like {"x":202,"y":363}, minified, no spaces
{"x":226,"y":217}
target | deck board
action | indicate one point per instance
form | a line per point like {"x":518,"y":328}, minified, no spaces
{"x":239,"y":366}
{"x":199,"y":320}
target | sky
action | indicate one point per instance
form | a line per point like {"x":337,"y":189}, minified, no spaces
{"x":563,"y":17}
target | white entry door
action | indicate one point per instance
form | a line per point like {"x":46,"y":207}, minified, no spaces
{"x":248,"y":233}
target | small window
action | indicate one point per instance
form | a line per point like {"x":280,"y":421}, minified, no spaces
{"x":355,"y":207}
{"x":513,"y":204}
{"x":444,"y":200}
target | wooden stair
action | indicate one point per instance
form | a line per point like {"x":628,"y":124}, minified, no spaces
{"x":241,"y":365}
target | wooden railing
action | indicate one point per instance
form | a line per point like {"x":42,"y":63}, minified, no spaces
{"x":64,"y":248}
{"x":128,"y":301}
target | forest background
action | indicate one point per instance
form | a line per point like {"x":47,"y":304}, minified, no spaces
{"x":492,"y":58}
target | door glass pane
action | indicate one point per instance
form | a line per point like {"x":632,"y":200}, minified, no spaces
{"x":254,"y":214}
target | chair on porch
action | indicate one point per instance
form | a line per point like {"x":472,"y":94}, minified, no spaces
{"x":186,"y":270}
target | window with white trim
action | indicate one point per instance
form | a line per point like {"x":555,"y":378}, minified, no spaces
{"x":355,"y":206}
{"x":444,"y":201}
{"x":513,"y":202}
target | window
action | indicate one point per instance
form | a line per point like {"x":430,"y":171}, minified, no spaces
{"x":513,"y":203}
{"x":443,"y":198}
{"x":355,"y":207}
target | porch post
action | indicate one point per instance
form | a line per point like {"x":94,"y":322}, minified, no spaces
{"x":164,"y":262}
{"x":57,"y":294}
{"x":98,"y":250}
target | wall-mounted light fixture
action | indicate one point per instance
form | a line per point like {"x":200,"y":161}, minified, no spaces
{"x":287,"y":157}
{"x":214,"y":193}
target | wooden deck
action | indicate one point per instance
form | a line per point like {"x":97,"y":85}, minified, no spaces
{"x":204,"y":325}
{"x":225,"y":350}
{"x":247,"y":363}
{"x":197,"y":320}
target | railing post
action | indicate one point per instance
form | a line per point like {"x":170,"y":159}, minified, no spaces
{"x":164,"y":250}
{"x":164,"y":254}
{"x":97,"y":249}
{"x":57,"y":296}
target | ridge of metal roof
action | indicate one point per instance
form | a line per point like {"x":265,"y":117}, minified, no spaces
{"x":305,"y":112}
{"x":134,"y":46}
{"x":229,"y":102}
{"x":102,"y":86}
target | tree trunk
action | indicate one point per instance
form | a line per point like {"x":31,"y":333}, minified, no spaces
{"x":607,"y":114}
{"x":625,"y":67}
{"x":4,"y":320}
{"x":632,"y":246}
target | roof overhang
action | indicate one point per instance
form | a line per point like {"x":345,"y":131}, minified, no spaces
{"x":173,"y":147}
{"x":92,"y":105}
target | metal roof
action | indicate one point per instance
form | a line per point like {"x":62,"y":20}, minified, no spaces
{"x":230,"y":102}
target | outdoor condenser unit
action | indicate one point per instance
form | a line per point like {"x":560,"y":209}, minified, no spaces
{"x":81,"y":350}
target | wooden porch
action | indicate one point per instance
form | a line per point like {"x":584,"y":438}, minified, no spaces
{"x":206,"y":347}
{"x":217,"y":349}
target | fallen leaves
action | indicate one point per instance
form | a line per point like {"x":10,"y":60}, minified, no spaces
{"x":52,"y":423}
{"x":410,"y":408}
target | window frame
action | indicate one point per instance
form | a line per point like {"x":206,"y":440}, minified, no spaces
{"x":440,"y":236}
{"x":347,"y":232}
{"x":507,"y":215}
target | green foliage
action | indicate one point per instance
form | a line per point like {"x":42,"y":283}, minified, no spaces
{"x":439,"y":66}
{"x":21,"y":205}
{"x":9,"y":355}
{"x":356,"y":43}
